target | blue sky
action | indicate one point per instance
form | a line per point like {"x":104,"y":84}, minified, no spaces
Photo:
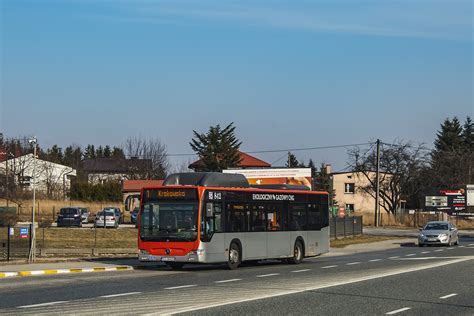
{"x":290,"y":74}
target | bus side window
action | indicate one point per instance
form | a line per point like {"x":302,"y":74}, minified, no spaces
{"x":273,"y":219}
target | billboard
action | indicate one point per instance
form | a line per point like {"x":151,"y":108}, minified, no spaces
{"x":300,"y":176}
{"x":452,"y":201}
{"x":470,"y":195}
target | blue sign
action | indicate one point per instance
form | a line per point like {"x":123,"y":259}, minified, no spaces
{"x":23,"y":232}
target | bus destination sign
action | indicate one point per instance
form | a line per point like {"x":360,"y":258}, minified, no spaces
{"x":171,"y":194}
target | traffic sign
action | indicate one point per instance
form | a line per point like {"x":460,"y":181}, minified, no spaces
{"x":23,"y":232}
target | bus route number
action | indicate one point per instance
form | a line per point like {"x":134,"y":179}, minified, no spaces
{"x":215,"y":195}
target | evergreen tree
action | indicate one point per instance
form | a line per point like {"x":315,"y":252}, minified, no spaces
{"x":99,"y":153}
{"x":218,"y":149}
{"x":468,"y":135}
{"x":54,"y":154}
{"x":449,"y":138}
{"x":89,"y":152}
{"x":107,"y":152}
{"x":118,"y":153}
{"x":293,"y":162}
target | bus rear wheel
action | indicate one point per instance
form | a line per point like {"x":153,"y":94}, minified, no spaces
{"x":297,"y":253}
{"x":234,"y":257}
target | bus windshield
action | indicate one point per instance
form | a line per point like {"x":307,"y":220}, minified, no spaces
{"x":169,"y":221}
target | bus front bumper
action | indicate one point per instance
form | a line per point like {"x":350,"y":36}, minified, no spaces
{"x":192,"y":256}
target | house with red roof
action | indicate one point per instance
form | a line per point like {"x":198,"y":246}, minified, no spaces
{"x":246,"y":162}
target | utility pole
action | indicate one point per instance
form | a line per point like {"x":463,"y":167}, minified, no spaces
{"x":377,"y":187}
{"x":32,"y":255}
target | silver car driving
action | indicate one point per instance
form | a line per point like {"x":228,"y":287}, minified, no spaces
{"x":438,"y":233}
{"x":110,"y":219}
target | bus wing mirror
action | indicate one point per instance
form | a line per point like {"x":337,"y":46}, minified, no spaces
{"x":209,"y":210}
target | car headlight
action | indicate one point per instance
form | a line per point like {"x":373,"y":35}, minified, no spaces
{"x":443,"y":236}
{"x":421,"y":235}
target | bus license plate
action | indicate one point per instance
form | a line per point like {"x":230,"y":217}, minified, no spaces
{"x":168,"y":259}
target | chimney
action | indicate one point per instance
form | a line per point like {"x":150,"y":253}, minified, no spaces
{"x":328,"y":168}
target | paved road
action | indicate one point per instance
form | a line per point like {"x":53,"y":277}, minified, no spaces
{"x":407,"y":280}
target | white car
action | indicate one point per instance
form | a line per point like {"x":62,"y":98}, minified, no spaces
{"x":110,"y":219}
{"x":438,"y":233}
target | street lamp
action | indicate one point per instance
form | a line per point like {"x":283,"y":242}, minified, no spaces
{"x":32,"y":256}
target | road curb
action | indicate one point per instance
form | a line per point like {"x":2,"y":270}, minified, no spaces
{"x":64,"y":271}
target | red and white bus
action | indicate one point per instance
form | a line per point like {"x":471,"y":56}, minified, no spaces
{"x":217,"y":218}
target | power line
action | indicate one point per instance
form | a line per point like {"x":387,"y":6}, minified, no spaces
{"x":289,"y":149}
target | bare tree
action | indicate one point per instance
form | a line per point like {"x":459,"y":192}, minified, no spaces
{"x":152,"y":149}
{"x":401,"y":165}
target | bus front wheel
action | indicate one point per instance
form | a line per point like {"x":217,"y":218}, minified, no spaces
{"x":234,"y":256}
{"x":297,"y":253}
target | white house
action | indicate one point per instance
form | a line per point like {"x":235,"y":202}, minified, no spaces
{"x":52,"y":179}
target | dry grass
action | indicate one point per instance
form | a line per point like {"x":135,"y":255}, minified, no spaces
{"x":363,"y":239}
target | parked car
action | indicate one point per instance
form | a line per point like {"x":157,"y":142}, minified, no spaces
{"x":69,"y":216}
{"x":134,"y":217}
{"x":118,"y":213}
{"x":85,"y":215}
{"x":110,"y":219}
{"x":438,"y":233}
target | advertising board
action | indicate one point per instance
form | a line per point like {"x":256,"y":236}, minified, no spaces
{"x":301,"y":176}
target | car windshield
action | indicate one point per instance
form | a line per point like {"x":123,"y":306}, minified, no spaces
{"x":107,"y":213}
{"x":436,"y":226}
{"x":84,"y":211}
{"x":68,"y":211}
{"x":169,"y":221}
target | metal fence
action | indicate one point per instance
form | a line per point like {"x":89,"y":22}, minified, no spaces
{"x":15,"y":242}
{"x":347,"y":226}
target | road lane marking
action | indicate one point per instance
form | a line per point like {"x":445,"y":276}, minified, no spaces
{"x":313,"y":287}
{"x":448,"y":296}
{"x":425,"y":251}
{"x":267,"y":275}
{"x":304,"y":270}
{"x":375,"y":260}
{"x":226,"y":281}
{"x":410,"y":255}
{"x":398,"y":311}
{"x":394,"y":257}
{"x":328,"y":267}
{"x":461,"y":246}
{"x":438,"y":250}
{"x":450,"y":248}
{"x":471,"y":245}
{"x":352,"y":263}
{"x":121,"y":294}
{"x":180,"y":287}
{"x":42,"y":304}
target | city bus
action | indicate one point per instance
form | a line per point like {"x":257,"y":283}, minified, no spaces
{"x":210,"y":217}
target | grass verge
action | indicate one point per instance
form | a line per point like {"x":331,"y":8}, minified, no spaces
{"x":362,"y":239}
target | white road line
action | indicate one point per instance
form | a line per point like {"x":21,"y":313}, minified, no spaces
{"x":448,"y":296}
{"x":394,"y":257}
{"x":438,"y":250}
{"x":398,"y":311}
{"x":425,"y":251}
{"x":42,"y":304}
{"x":328,"y":267}
{"x":410,"y":255}
{"x":304,"y":270}
{"x":450,"y":248}
{"x":461,"y":246}
{"x":317,"y":286}
{"x":230,"y":280}
{"x":120,"y":294}
{"x":375,"y":260}
{"x":471,"y":245}
{"x":267,"y":275}
{"x":352,"y":263}
{"x":180,"y":287}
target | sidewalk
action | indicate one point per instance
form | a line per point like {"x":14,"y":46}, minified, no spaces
{"x":62,"y":267}
{"x":372,"y":246}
